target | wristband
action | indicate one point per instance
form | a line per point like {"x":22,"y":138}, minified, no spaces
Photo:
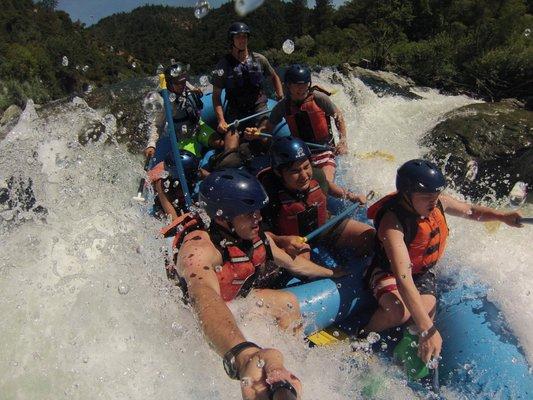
{"x":229,"y":358}
{"x":428,"y":332}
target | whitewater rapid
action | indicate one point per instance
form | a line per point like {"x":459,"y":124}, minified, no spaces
{"x":88,"y":312}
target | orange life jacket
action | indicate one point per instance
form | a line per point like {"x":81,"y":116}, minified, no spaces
{"x":242,"y":268}
{"x":301,"y":214}
{"x":308,"y":121}
{"x":425,"y":238}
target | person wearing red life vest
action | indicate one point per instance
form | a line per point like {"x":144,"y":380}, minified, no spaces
{"x":298,"y":194}
{"x":308,"y":113}
{"x":412,"y":233}
{"x":235,"y":258}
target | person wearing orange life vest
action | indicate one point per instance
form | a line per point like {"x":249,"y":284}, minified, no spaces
{"x":411,"y":237}
{"x":298,"y":195}
{"x":235,"y":258}
{"x":308,"y":114}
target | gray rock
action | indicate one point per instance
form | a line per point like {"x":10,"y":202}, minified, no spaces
{"x":12,"y":112}
{"x":381,"y":82}
{"x":497,"y":136}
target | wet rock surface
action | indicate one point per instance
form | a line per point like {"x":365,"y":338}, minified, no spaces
{"x":495,"y":137}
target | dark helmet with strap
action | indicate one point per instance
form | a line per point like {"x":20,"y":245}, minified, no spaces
{"x":231,"y":192}
{"x":236,"y":28}
{"x":297,"y":73}
{"x":419,"y":176}
{"x":286,"y":150}
{"x":189,"y":162}
{"x":177,"y":72}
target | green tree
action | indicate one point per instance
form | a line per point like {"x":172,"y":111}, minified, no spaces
{"x":322,"y":16}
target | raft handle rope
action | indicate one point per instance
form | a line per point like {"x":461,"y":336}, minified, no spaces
{"x":174,"y":140}
{"x":336,"y":219}
{"x":139,"y":198}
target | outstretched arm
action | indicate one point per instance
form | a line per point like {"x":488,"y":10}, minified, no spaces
{"x":300,"y":265}
{"x":462,"y":209}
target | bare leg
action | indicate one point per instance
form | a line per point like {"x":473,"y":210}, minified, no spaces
{"x":358,"y":236}
{"x":329,"y":171}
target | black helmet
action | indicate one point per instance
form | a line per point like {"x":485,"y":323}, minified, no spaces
{"x":177,"y":72}
{"x":189,"y":162}
{"x":237,"y":27}
{"x":230,"y":192}
{"x":419,"y":176}
{"x":286,"y":150}
{"x":297,"y":73}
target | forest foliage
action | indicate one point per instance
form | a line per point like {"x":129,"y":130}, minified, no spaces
{"x":478,"y":46}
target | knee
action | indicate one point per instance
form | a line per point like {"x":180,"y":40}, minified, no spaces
{"x":288,"y":312}
{"x":397,"y":312}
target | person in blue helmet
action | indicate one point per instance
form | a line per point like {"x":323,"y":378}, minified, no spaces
{"x":242,"y":73}
{"x":308,"y":112}
{"x":412,"y":233}
{"x":234,"y":258}
{"x":298,"y":204}
{"x":169,"y":200}
{"x":193,"y":133}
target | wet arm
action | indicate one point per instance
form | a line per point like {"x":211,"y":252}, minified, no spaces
{"x":300,"y":265}
{"x":217,"y":104}
{"x":163,"y":199}
{"x":462,"y":209}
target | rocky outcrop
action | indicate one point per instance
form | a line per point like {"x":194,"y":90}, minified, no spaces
{"x":381,"y":82}
{"x":494,"y":137}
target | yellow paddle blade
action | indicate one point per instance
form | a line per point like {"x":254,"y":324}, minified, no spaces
{"x":492,"y":226}
{"x":377,"y":154}
{"x":327,"y":337}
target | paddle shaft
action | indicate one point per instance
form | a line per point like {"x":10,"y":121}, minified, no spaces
{"x":235,"y":124}
{"x":174,"y":140}
{"x":312,"y":145}
{"x":526,"y":220}
{"x":331,"y":222}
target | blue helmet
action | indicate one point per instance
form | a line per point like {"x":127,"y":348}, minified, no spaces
{"x":286,"y":150}
{"x":189,"y":162}
{"x":236,"y":28}
{"x":231,"y":192}
{"x":297,"y":73}
{"x":419,"y":176}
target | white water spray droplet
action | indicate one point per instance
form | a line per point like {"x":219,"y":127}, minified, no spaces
{"x":123,"y":288}
{"x":373,"y":337}
{"x":160,"y":69}
{"x":288,"y":46}
{"x":246,"y":381}
{"x":339,"y":285}
{"x":433,"y":363}
{"x":218,"y":268}
{"x":472,"y":169}
{"x":260,"y":363}
{"x":134,"y":65}
{"x":64,"y":61}
{"x":260,"y":303}
{"x":243,"y":7}
{"x":336,"y":333}
{"x":384,"y":346}
{"x":414,"y":344}
{"x":201,"y":9}
{"x":518,"y":194}
{"x":527,"y":32}
{"x":204,"y":80}
{"x":85,"y":68}
{"x":172,"y":97}
{"x":219,"y":213}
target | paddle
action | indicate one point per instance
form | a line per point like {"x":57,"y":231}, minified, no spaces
{"x":335,"y":219}
{"x":139,"y":198}
{"x":235,"y":124}
{"x":282,"y":390}
{"x":174,"y":140}
{"x":312,"y":145}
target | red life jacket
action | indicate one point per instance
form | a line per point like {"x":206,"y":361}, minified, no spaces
{"x":308,"y":121}
{"x":242,"y":268}
{"x":301,"y":214}
{"x":425,"y":238}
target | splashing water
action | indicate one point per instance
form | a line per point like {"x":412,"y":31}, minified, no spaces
{"x":204,"y":80}
{"x":201,"y":9}
{"x":244,"y":7}
{"x":64,"y":61}
{"x":288,"y":46}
